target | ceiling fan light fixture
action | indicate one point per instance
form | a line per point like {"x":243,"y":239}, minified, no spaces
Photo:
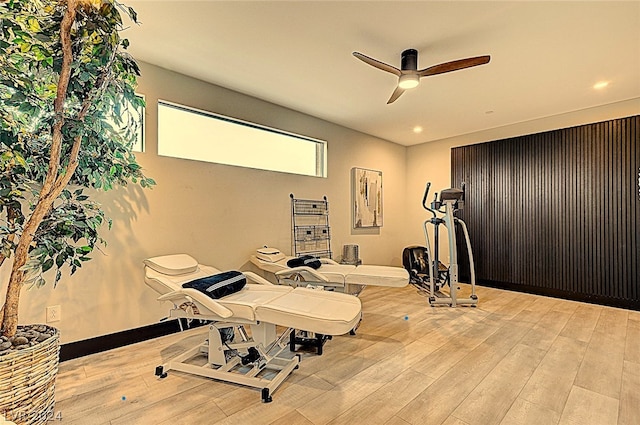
{"x":408,"y":81}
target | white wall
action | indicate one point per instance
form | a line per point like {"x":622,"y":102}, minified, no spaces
{"x":219,"y":214}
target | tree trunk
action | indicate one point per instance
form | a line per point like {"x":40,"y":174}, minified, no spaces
{"x":53,"y":185}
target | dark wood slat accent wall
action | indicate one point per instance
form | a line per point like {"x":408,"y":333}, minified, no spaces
{"x":556,"y":213}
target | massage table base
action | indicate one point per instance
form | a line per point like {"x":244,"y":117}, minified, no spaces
{"x":307,"y":339}
{"x":245,"y":361}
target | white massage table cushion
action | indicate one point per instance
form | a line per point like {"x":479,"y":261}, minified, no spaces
{"x":172,"y":265}
{"x":245,"y":302}
{"x":270,"y":266}
{"x":336,"y":273}
{"x":324,"y":312}
{"x":328,"y":313}
{"x":242,"y":304}
{"x":164,"y":283}
{"x":270,"y":255}
{"x":396,"y":277}
{"x":348,"y":274}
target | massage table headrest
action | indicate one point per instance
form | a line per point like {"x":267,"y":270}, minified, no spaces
{"x":172,"y":265}
{"x":271,"y":255}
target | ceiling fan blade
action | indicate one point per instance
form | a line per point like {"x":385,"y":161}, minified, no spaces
{"x":395,"y":95}
{"x":454,"y":65}
{"x":376,"y":63}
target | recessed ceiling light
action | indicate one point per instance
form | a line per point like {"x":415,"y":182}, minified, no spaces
{"x":417,"y":129}
{"x":600,"y":85}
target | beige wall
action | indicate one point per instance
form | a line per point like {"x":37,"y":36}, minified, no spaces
{"x":220,"y":214}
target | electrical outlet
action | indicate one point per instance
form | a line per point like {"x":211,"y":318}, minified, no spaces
{"x":54,"y":314}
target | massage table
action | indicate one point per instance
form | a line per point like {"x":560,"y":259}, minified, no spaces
{"x":256,"y":358}
{"x":351,"y":279}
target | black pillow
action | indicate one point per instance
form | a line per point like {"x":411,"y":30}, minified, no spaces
{"x":305,"y":260}
{"x":219,"y":285}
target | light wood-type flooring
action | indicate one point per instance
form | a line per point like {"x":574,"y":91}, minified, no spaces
{"x":515,"y":359}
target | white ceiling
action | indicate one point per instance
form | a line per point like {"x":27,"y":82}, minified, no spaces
{"x":545,"y":57}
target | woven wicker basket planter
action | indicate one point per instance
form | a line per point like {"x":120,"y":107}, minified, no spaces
{"x":27,"y":382}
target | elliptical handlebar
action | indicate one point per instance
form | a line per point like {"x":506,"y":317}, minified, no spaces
{"x":424,"y":199}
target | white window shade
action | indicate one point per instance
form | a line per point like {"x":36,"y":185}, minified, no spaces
{"x":203,"y":136}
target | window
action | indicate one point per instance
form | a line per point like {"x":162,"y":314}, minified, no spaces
{"x":204,"y":136}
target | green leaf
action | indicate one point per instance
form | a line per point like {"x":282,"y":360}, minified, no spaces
{"x":25,"y":47}
{"x":34,"y":25}
{"x":133,"y":15}
{"x":47,"y":265}
{"x":60,"y":259}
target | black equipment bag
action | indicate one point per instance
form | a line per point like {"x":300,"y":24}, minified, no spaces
{"x":414,"y":259}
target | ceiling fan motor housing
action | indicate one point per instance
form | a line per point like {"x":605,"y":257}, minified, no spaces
{"x":409,"y":60}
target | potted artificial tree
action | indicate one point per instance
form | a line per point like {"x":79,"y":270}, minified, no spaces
{"x":65,"y":131}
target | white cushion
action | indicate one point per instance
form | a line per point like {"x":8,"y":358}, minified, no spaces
{"x":323,"y":312}
{"x":269,"y":254}
{"x":342,"y":274}
{"x":173,"y":265}
{"x":378,"y":276}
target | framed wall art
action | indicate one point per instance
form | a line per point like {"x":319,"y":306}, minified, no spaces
{"x":366,"y":189}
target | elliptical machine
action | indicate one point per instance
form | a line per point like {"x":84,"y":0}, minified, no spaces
{"x":451,"y":200}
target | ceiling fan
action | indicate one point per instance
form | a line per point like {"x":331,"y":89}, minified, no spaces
{"x":409,"y":75}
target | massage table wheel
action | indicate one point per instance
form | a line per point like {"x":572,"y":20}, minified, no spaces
{"x":160,"y":373}
{"x":266,"y":396}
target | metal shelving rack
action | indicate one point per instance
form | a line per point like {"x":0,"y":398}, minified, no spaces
{"x":310,"y":231}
